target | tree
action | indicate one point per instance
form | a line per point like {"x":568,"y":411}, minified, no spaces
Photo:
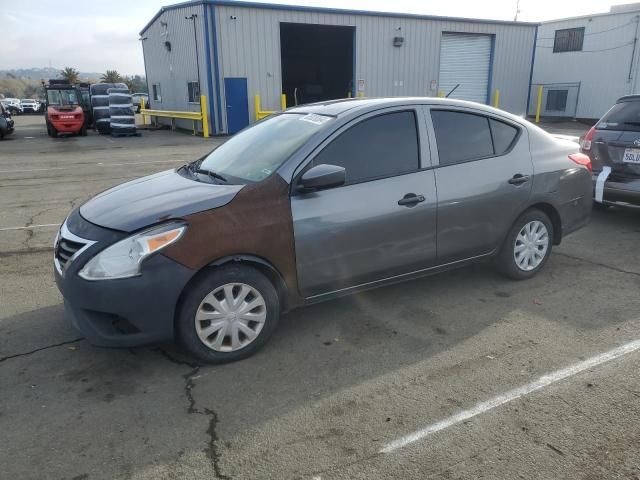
{"x":136,"y":83}
{"x":70,"y":74}
{"x":111,"y":76}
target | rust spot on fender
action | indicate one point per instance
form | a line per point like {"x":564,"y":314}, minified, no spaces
{"x":256,"y":222}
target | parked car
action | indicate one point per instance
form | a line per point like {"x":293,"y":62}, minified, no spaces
{"x":136,"y":99}
{"x":12,"y":105}
{"x":6,"y":122}
{"x":613,"y":145}
{"x":317,"y":202}
{"x":29,"y":105}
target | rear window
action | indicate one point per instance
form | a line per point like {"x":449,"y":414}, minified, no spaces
{"x":461,"y":137}
{"x":622,"y":116}
{"x":503,"y":136}
{"x":464,"y":137}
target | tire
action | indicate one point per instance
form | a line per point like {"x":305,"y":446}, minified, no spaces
{"x":506,"y":262}
{"x":200,"y":298}
{"x":83,"y":131}
{"x":51,"y":131}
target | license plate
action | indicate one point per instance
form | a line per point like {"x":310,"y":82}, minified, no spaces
{"x":631,"y":155}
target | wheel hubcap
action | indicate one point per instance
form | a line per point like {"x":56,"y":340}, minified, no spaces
{"x":230,"y":317}
{"x":532,"y":243}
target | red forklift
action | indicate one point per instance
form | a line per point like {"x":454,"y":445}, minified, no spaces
{"x":64,"y":114}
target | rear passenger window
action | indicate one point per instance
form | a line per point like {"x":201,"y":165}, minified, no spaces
{"x":383,"y":146}
{"x":503,"y":136}
{"x":461,"y":136}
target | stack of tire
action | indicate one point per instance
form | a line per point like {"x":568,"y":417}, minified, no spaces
{"x":100,"y":106}
{"x":122,"y":118}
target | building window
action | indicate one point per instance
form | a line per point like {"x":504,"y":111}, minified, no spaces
{"x":557,"y":100}
{"x":194,"y":92}
{"x":157,"y":95}
{"x":568,"y":40}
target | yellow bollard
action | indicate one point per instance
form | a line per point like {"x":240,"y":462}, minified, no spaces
{"x":256,"y":106}
{"x":283,"y":101}
{"x":205,"y":116}
{"x":349,"y":94}
{"x":496,"y":99}
{"x":441,"y":93}
{"x":539,"y":104}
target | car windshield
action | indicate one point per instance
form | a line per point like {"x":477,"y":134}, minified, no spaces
{"x":62,"y":97}
{"x":622,"y":116}
{"x":256,"y":152}
{"x":27,"y":100}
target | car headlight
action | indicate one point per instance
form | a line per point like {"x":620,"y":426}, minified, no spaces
{"x":123,"y":259}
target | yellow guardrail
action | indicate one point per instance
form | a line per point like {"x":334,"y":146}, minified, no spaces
{"x":201,"y":116}
{"x":496,"y":99}
{"x":257,"y":106}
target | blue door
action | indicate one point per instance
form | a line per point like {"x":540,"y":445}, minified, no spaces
{"x":235,"y":91}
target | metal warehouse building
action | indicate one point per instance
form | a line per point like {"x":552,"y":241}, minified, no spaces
{"x":585,"y":63}
{"x":232,"y":51}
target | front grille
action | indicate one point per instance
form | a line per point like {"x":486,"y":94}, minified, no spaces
{"x":65,"y":250}
{"x":67,"y":247}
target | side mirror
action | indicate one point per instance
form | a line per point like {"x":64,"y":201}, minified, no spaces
{"x":322,"y":177}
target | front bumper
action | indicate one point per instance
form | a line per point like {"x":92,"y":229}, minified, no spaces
{"x":620,"y":191}
{"x":124,"y":312}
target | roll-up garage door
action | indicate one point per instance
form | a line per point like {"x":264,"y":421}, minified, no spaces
{"x":465,"y":60}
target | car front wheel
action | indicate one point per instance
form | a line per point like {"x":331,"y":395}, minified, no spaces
{"x":527,"y":246}
{"x":228,"y":314}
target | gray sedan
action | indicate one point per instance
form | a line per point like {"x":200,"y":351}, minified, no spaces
{"x":316,"y":202}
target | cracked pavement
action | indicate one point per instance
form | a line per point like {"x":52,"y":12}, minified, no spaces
{"x":337,"y":381}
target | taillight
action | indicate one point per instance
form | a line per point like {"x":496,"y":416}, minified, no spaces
{"x":585,"y":143}
{"x":582,"y":159}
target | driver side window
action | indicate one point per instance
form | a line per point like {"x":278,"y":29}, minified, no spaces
{"x":379,"y":147}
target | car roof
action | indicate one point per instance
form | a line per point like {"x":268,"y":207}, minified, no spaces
{"x":628,"y":98}
{"x":337,"y":108}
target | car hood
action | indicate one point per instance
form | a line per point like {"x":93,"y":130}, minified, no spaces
{"x":152,"y":199}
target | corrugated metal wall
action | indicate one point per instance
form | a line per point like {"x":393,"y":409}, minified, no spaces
{"x":602,"y":67}
{"x":249,"y":46}
{"x":174,"y":69}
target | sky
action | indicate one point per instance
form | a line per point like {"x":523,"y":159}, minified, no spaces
{"x":94,"y":36}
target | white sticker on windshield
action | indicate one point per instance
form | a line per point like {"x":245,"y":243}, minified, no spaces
{"x":315,"y":119}
{"x":604,"y":174}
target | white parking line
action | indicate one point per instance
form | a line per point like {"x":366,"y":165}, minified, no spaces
{"x":514,"y":394}
{"x":30,"y":227}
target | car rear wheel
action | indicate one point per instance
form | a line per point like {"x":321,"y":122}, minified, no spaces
{"x":229,"y":314}
{"x":527,"y":246}
{"x":51,"y":131}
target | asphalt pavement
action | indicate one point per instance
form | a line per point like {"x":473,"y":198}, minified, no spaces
{"x":458,"y":376}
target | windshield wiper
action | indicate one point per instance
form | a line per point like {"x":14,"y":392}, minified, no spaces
{"x":211,"y":174}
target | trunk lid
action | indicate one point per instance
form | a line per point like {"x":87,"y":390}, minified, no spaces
{"x":616,"y":140}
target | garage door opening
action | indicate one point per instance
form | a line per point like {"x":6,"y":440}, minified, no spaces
{"x":317,"y":62}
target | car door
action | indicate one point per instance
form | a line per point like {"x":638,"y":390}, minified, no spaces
{"x":484,"y":175}
{"x":382,"y":222}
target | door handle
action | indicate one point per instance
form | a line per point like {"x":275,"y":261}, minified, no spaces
{"x":519,"y":179}
{"x":411,"y":200}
